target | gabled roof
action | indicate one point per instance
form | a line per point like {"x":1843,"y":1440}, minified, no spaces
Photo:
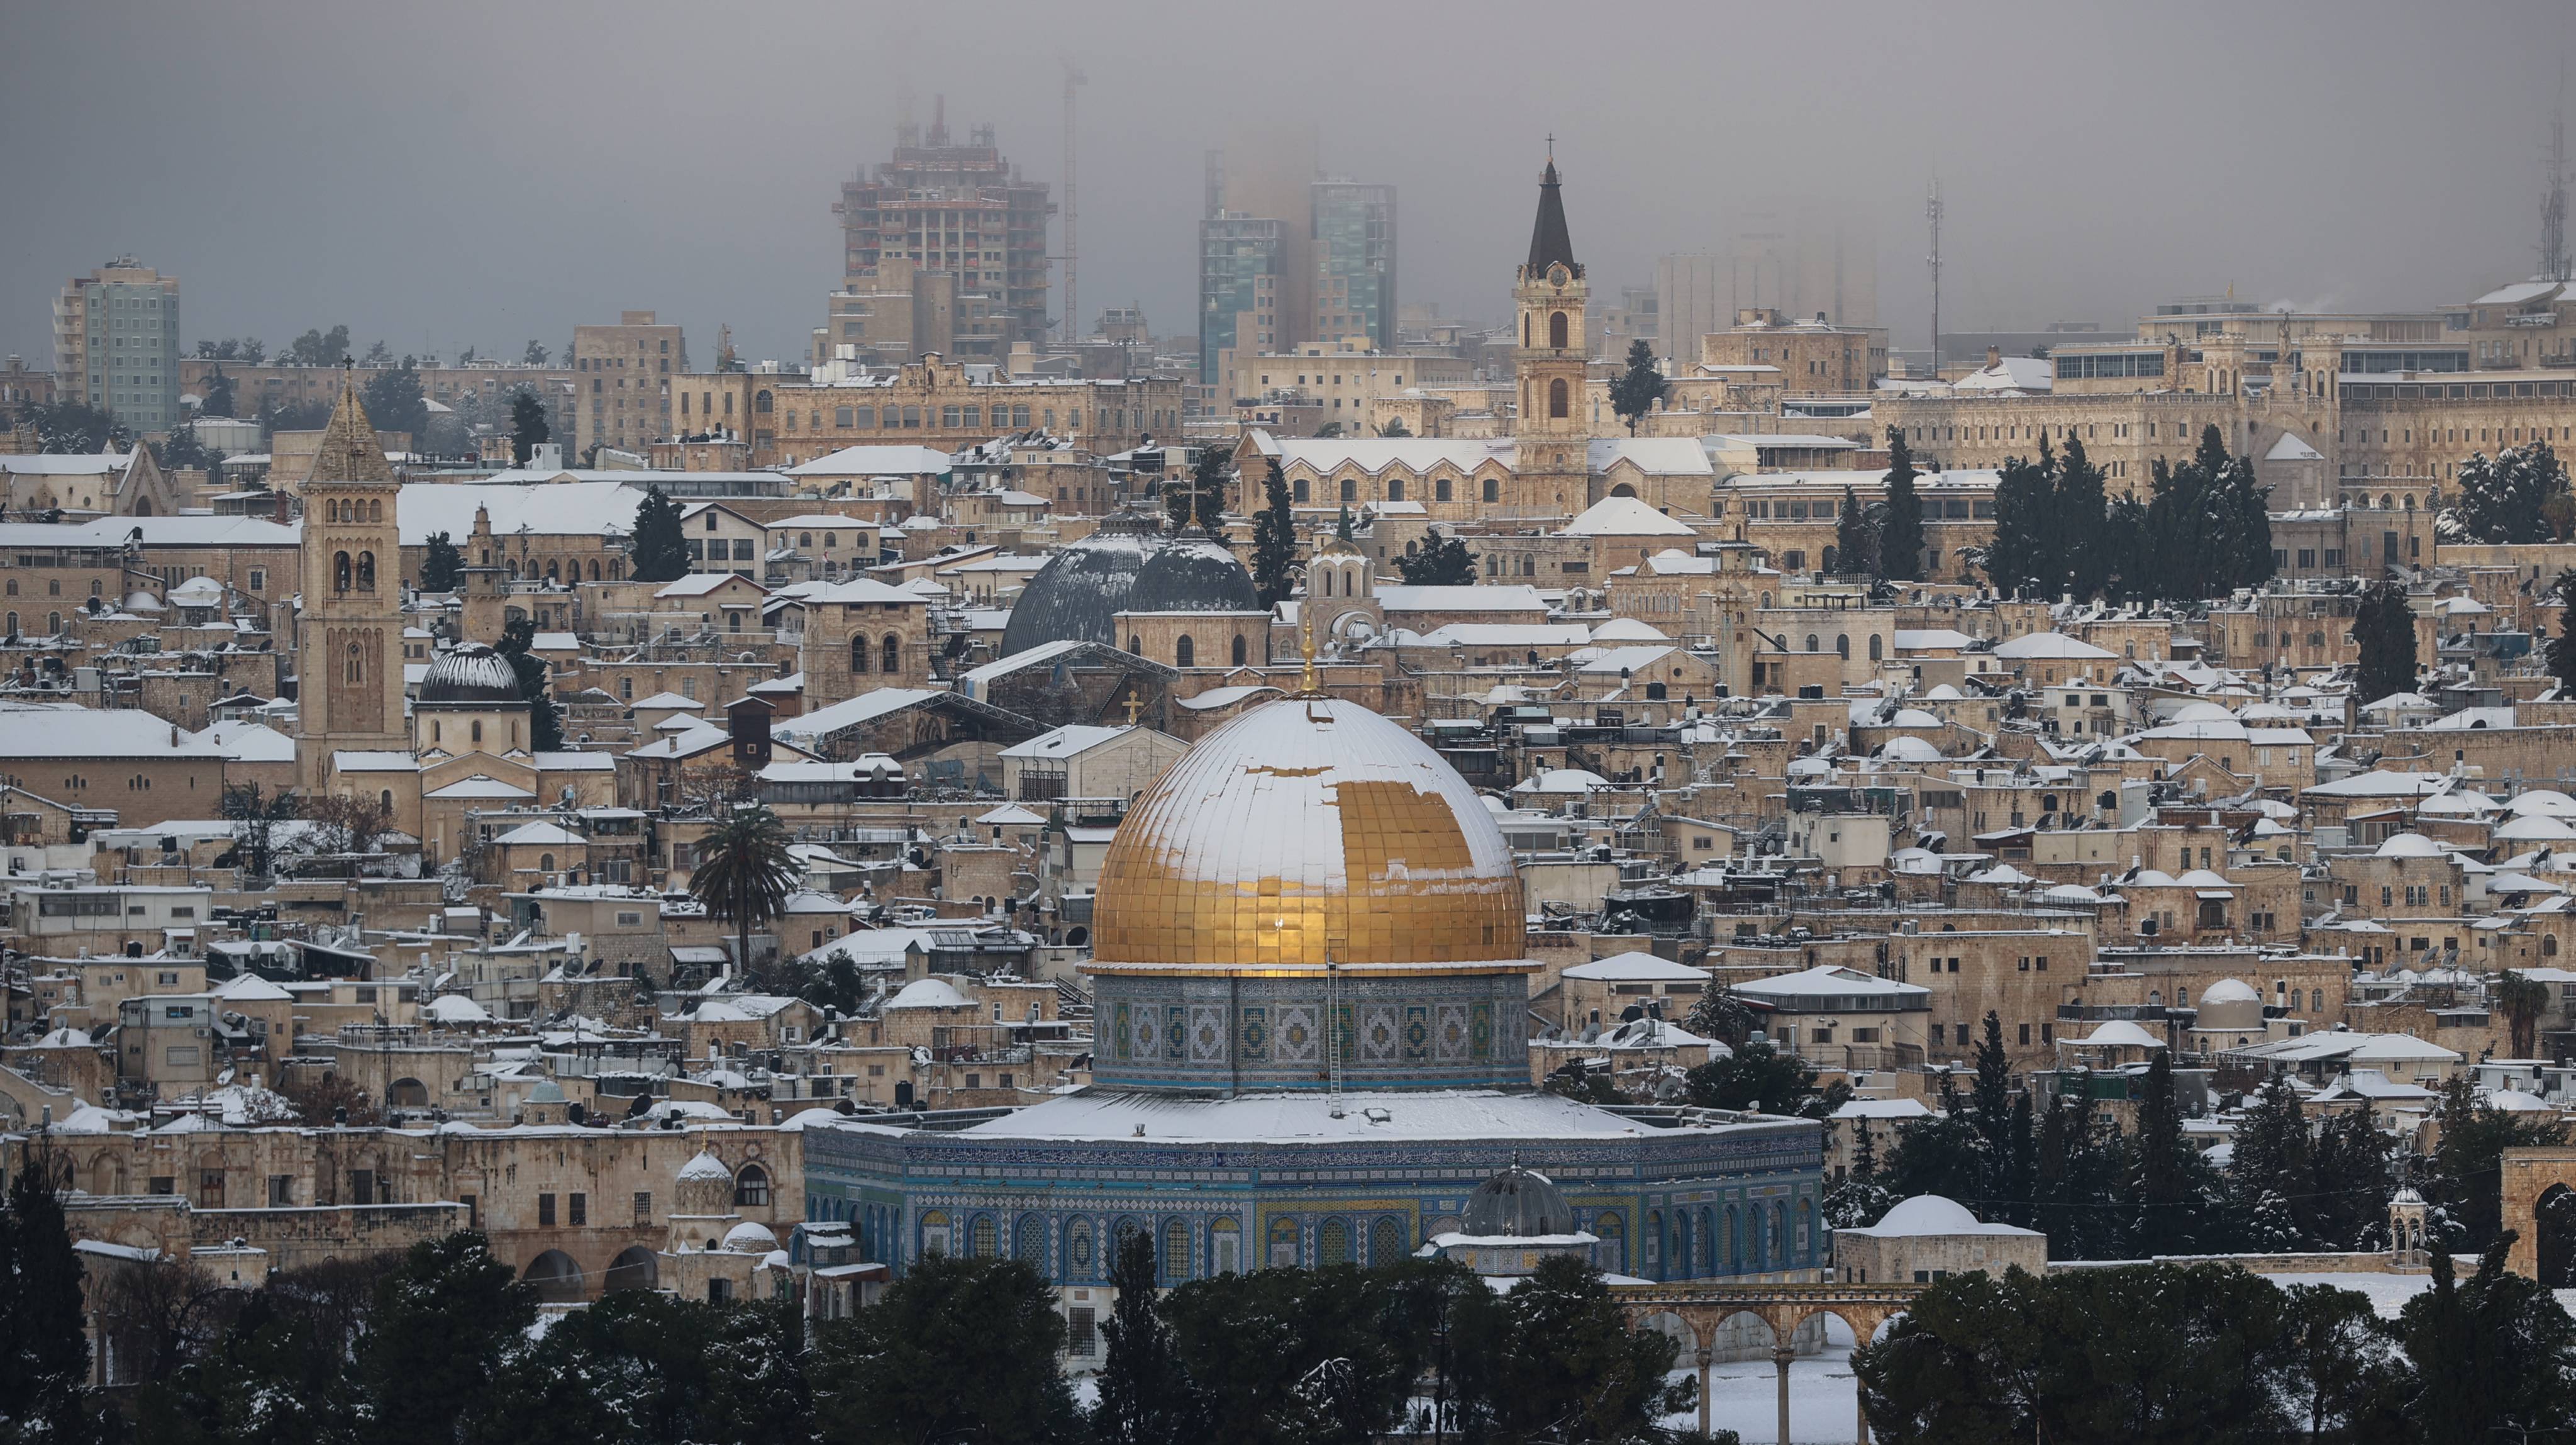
{"x":1549,"y":242}
{"x":1627,"y":517}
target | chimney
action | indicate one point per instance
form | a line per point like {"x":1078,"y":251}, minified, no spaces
{"x":1994,"y":356}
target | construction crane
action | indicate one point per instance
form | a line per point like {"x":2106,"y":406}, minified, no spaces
{"x":1073,"y":77}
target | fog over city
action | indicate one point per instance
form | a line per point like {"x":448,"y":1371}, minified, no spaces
{"x":477,"y":174}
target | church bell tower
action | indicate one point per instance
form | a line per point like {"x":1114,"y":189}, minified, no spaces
{"x":348,"y":642}
{"x":1552,"y":435}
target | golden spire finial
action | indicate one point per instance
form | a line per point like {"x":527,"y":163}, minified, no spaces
{"x":1307,"y":685}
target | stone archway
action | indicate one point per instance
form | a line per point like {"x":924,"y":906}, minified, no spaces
{"x":633,"y":1268}
{"x":555,"y":1277}
{"x":1703,"y":1311}
{"x":2529,"y":1175}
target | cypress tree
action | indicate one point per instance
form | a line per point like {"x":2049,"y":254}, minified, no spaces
{"x":2084,"y":545}
{"x":1145,"y":1394}
{"x":1638,"y":388}
{"x":1274,"y":539}
{"x":443,"y":567}
{"x":545,"y":721}
{"x":1855,"y":538}
{"x":2384,"y":630}
{"x":41,"y":1382}
{"x":1900,"y":527}
{"x":2561,"y":650}
{"x":2018,"y":559}
{"x":661,"y":554}
{"x":528,"y":426}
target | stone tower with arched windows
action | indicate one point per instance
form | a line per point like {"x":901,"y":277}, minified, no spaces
{"x":1552,"y":435}
{"x":348,"y":640}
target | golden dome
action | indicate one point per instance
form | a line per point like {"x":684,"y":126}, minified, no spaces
{"x":1305,"y":826}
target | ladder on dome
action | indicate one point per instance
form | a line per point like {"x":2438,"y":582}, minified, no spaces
{"x":1332,"y":1033}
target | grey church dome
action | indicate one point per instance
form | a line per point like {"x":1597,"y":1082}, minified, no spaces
{"x":1518,"y":1204}
{"x":472,"y":673}
{"x":1128,"y":565}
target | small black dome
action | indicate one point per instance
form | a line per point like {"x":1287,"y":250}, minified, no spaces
{"x":1518,"y":1204}
{"x":472,"y":673}
{"x":1128,"y":565}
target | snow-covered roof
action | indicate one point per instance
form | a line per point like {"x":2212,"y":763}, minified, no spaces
{"x":1627,"y":517}
{"x":929,"y":993}
{"x":2290,"y":449}
{"x":876,"y":461}
{"x":1637,"y":967}
{"x":1832,"y":981}
{"x":1931,"y":1214}
{"x":2119,"y":1034}
{"x":2051,"y":645}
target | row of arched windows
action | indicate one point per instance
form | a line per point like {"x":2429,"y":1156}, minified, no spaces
{"x":361,"y":574}
{"x":355,"y":509}
{"x":1185,"y":652}
{"x":567,"y":571}
{"x":891,"y":650}
{"x":1842,"y":646}
{"x":1743,"y":1240}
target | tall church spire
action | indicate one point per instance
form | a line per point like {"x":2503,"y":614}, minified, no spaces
{"x":1549,"y":243}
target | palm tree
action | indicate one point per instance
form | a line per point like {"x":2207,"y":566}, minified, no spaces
{"x":2521,"y":1001}
{"x":745,"y":872}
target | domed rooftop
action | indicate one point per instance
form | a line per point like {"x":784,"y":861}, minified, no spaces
{"x":1128,"y":565}
{"x":1305,"y":828}
{"x":470,"y":675}
{"x":1927,"y":1214}
{"x":1517,"y":1204}
{"x":2230,"y":990}
{"x":2409,"y":845}
{"x":750,"y":1238}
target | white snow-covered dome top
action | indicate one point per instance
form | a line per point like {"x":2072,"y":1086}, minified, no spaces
{"x":929,"y":993}
{"x":1909,"y":750}
{"x":750,"y":1238}
{"x":2543,"y":800}
{"x":2230,"y":990}
{"x":1927,"y":1214}
{"x":2409,"y":845}
{"x":2120,"y":1034}
{"x":2537,"y":828}
{"x":706,"y":1166}
{"x":455,"y":1008}
{"x":2203,"y":712}
{"x":1627,"y":629}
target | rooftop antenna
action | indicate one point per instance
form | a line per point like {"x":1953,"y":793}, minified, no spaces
{"x":1073,"y":77}
{"x":1932,"y":214}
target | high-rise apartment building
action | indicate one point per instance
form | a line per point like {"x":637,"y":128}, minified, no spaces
{"x":1352,"y":244}
{"x":116,"y":343}
{"x":960,"y":209}
{"x":622,"y":382}
{"x":1240,"y":262}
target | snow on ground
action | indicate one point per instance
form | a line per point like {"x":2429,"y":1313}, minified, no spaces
{"x":1824,"y":1400}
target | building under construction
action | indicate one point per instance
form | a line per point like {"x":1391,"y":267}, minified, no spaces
{"x":961,"y":210}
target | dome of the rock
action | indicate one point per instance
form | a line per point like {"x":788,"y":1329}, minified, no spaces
{"x":1306,"y":829}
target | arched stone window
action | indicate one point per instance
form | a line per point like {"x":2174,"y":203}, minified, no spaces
{"x":761,"y":403}
{"x":1242,"y":650}
{"x":1225,"y":1247}
{"x":545,"y":862}
{"x":340,"y":571}
{"x":1078,"y":1249}
{"x":890,"y":654}
{"x":1842,"y":646}
{"x":985,"y":1239}
{"x":1812,"y":643}
{"x":1386,"y":1242}
{"x":366,"y":571}
{"x":1557,"y":405}
{"x":1176,"y":1249}
{"x":1556,"y":333}
{"x":1876,"y":644}
{"x":751,"y":1187}
{"x":1185,"y":653}
{"x":858,"y":654}
{"x":1029,"y":1242}
{"x":1333,"y":1242}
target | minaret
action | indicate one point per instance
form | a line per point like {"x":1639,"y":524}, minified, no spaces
{"x":348,"y":638}
{"x":1552,"y":453}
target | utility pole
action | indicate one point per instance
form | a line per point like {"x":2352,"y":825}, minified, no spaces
{"x":1932,"y":213}
{"x":1073,"y":77}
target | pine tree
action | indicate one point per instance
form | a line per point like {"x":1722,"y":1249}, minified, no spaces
{"x":2019,"y":558}
{"x":2507,"y":500}
{"x":442,"y":567}
{"x":2273,"y":1168}
{"x":42,"y":1380}
{"x":1639,"y":388}
{"x":2383,"y":629}
{"x":1274,"y":540}
{"x":661,"y":553}
{"x":2084,"y":513}
{"x":1202,"y":501}
{"x":528,"y":427}
{"x":1858,"y":1199}
{"x":2169,"y":1174}
{"x":1855,"y":538}
{"x":1342,"y":524}
{"x":1900,"y":528}
{"x":395,"y":402}
{"x":219,"y":394}
{"x":2250,"y":524}
{"x":1145,"y":1394}
{"x":1440,"y":562}
{"x":2125,"y":558}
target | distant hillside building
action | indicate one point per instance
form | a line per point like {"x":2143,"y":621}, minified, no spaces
{"x":116,"y":343}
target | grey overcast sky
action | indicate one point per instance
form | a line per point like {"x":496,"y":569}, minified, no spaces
{"x":479,"y":172}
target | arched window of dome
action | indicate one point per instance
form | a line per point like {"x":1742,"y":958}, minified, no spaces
{"x":1386,"y":1242}
{"x":1806,"y":1226}
{"x":858,"y":654}
{"x":1176,"y":1249}
{"x":1779,"y":1241}
{"x":1283,"y":1243}
{"x":340,"y":571}
{"x":1185,"y":653}
{"x":985,"y":1238}
{"x":1077,"y":1249}
{"x":1242,"y":650}
{"x":1653,"y":1240}
{"x":1225,"y":1247}
{"x":1557,"y":405}
{"x":1736,"y":1263}
{"x":1556,"y":333}
{"x":751,"y":1187}
{"x":1333,"y":1242}
{"x":890,"y":654}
